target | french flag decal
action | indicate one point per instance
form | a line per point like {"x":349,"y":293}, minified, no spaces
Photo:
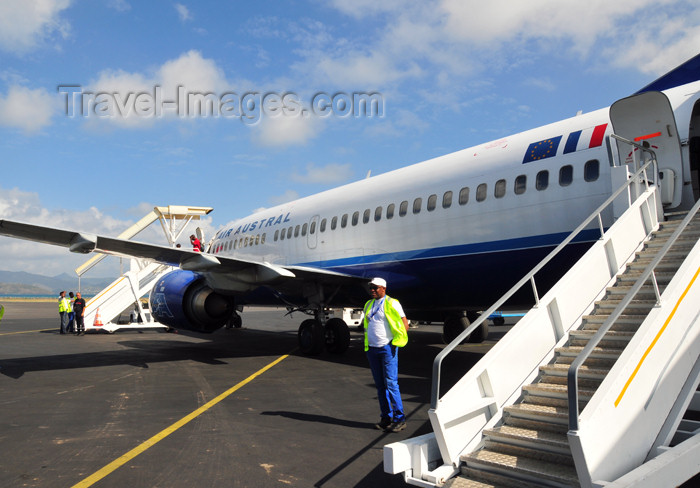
{"x":585,"y":139}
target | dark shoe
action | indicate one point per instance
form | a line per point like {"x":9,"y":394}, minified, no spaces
{"x":383,"y":424}
{"x":396,"y":426}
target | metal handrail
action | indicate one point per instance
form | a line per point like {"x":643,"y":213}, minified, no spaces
{"x":437,"y":362}
{"x":572,"y":375}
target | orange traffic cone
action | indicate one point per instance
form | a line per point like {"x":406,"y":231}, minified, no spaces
{"x":98,"y":319}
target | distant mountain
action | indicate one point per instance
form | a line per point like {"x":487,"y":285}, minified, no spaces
{"x":24,"y":282}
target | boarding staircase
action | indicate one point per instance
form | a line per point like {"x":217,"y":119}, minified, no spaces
{"x":124,"y":294}
{"x":597,"y":385}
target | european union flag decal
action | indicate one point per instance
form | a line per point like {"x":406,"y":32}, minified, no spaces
{"x":542,"y":149}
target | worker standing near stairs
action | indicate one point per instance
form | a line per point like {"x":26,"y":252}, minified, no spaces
{"x":386,"y":329}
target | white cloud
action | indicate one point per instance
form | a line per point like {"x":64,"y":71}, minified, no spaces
{"x":119,"y":5}
{"x":183,"y":12}
{"x":283,"y":131}
{"x":27,"y":23}
{"x":288,"y":196}
{"x":330,"y":173}
{"x":27,"y":109}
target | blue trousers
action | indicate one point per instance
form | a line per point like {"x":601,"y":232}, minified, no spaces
{"x":384,"y":363}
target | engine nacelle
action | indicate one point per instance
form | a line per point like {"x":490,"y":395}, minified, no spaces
{"x":183,"y":300}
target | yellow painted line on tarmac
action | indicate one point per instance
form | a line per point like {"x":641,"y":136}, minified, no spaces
{"x":26,"y":331}
{"x":122,"y":460}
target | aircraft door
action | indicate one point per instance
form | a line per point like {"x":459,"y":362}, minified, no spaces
{"x":312,"y":235}
{"x":648,"y":117}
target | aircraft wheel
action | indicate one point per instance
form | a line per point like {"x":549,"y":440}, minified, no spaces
{"x":236,"y":321}
{"x":337,"y":336}
{"x":454,"y":325}
{"x":498,"y":321}
{"x":480,"y":334}
{"x":311,"y":337}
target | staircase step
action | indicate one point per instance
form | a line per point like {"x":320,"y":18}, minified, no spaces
{"x":611,"y":353}
{"x":536,"y":425}
{"x":540,"y":413}
{"x":487,"y":479}
{"x":529,"y":438}
{"x":597,"y":363}
{"x":635,"y":307}
{"x":521,"y":466}
{"x":583,"y":372}
{"x":612,"y":338}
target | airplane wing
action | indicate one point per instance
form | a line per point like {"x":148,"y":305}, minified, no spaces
{"x":250,"y":272}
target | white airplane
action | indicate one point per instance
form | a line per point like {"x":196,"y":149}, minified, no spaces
{"x":450,"y":234}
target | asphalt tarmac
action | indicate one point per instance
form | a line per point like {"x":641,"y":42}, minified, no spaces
{"x":238,"y":408}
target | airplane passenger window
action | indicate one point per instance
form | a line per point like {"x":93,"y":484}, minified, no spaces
{"x":378,"y":214}
{"x":417,"y":204}
{"x":542,"y":180}
{"x":322,"y":227}
{"x":262,"y":238}
{"x":447,"y":199}
{"x":520,"y":184}
{"x":257,"y":239}
{"x":282,"y":235}
{"x":344,"y":221}
{"x":390,"y":211}
{"x":334,"y":223}
{"x":432,"y":202}
{"x":464,"y":195}
{"x":591,"y":170}
{"x":403,"y":208}
{"x":355,"y":217}
{"x":245,"y":242}
{"x":289,"y":232}
{"x":481,"y":192}
{"x":499,"y":190}
{"x":566,"y":175}
{"x":296,"y":231}
{"x":303,"y":229}
{"x":312,"y":230}
{"x":365,"y":216}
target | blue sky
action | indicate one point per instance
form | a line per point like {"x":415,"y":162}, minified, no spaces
{"x":450,"y":74}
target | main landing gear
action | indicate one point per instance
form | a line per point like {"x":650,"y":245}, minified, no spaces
{"x":455,"y":324}
{"x":314,"y":337}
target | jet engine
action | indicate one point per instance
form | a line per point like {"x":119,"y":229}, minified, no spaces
{"x":183,"y":300}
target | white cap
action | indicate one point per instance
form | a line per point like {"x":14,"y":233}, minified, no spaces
{"x":378,"y":282}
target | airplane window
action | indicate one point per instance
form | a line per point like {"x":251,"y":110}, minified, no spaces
{"x":464,"y":195}
{"x":417,"y":204}
{"x":262,"y":238}
{"x":403,"y":208}
{"x":289,"y":232}
{"x":591,"y":170}
{"x":390,"y":211}
{"x":257,"y":239}
{"x":520,"y":184}
{"x":378,"y":214}
{"x":296,"y":231}
{"x":281,"y":235}
{"x":481,"y":192}
{"x":322,"y":227}
{"x":447,"y":199}
{"x":303,"y":229}
{"x":355,"y":217}
{"x":312,"y":230}
{"x":365,"y":216}
{"x":499,"y":190}
{"x":542,"y":180}
{"x":344,"y":221}
{"x":432,"y":203}
{"x":566,"y":175}
{"x":334,"y":223}
{"x":245,"y":242}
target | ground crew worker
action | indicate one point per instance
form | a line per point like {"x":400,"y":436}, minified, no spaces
{"x":63,"y":307}
{"x":386,"y":329}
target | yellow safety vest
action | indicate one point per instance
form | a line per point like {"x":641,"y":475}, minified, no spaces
{"x":398,"y":330}
{"x":63,"y":304}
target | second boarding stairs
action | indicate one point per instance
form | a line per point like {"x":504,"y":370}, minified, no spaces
{"x":626,"y":414}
